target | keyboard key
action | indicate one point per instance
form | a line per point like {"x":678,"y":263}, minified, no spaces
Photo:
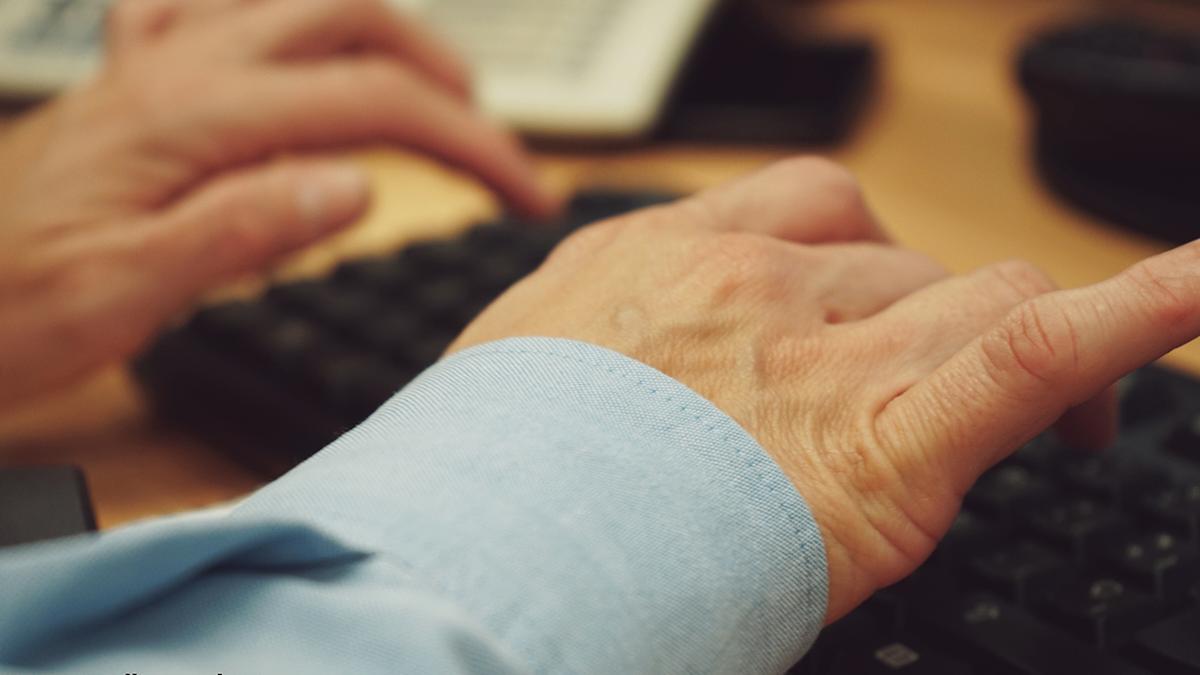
{"x":1001,"y":637}
{"x":440,"y":257}
{"x":385,"y":276}
{"x":291,"y":343}
{"x":1159,"y":563}
{"x":1173,"y":645}
{"x":393,"y":333}
{"x":1100,"y":609}
{"x":1019,"y":572}
{"x":424,"y":352}
{"x":898,"y":655}
{"x":235,"y":320}
{"x":1144,"y":396}
{"x":1076,"y":526}
{"x":495,"y":274}
{"x":447,"y":301}
{"x":342,"y":306}
{"x":1039,"y":455}
{"x":525,"y":245}
{"x":498,"y":238}
{"x":1007,"y":489}
{"x":1177,"y":507}
{"x":894,"y":606}
{"x":1184,"y":440}
{"x":969,"y":535}
{"x":860,"y":644}
{"x":357,"y":384}
{"x":598,"y":205}
{"x":1108,"y":478}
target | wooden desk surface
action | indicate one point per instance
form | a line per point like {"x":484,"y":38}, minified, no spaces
{"x":942,"y":154}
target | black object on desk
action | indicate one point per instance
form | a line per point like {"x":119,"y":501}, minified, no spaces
{"x":43,"y":502}
{"x":1060,"y":562}
{"x":1117,"y":104}
{"x":275,"y":379}
{"x":749,"y":82}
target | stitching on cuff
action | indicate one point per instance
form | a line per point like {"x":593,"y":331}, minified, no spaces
{"x":752,"y":463}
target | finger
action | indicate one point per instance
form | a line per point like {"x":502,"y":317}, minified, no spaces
{"x":806,"y":199}
{"x":963,"y":308}
{"x":863,"y":279}
{"x":243,"y":220}
{"x":1048,"y":354}
{"x":292,"y":28}
{"x":959,"y":309}
{"x":325,"y":104}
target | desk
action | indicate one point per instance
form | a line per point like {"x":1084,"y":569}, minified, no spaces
{"x":942,"y":154}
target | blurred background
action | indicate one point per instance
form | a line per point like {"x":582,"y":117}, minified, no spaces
{"x":1063,"y":132}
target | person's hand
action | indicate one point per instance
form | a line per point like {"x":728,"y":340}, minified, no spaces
{"x":882,"y":387}
{"x":124,"y":199}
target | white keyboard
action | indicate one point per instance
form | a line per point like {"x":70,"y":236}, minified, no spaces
{"x":557,"y":68}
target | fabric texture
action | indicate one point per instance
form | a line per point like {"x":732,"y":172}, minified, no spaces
{"x":532,"y":505}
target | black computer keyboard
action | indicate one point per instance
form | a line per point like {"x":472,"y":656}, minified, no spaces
{"x":277,"y":378}
{"x":1060,"y":562}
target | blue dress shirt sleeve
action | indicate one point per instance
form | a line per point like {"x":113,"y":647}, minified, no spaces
{"x":531,"y":505}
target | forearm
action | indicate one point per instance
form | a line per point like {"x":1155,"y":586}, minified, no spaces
{"x":594,"y":513}
{"x":550,"y":505}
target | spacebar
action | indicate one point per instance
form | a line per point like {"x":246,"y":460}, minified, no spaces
{"x":982,"y":628}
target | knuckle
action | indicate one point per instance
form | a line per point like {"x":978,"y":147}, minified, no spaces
{"x":1036,"y":342}
{"x":1161,"y":294}
{"x":1022,"y":278}
{"x":836,"y":183}
{"x":828,"y":173}
{"x":732,"y":260}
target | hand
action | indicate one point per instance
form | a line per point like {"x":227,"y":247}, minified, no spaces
{"x":881,"y":386}
{"x":124,"y":199}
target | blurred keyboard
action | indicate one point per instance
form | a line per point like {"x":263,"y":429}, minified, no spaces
{"x":1060,"y":562}
{"x":577,"y":68}
{"x":277,"y":378}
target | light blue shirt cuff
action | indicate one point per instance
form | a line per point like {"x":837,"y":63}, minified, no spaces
{"x":566,"y":507}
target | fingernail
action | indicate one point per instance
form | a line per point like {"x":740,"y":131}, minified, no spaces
{"x":330,"y":196}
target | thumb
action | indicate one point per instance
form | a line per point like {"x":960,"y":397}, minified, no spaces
{"x":240,"y":221}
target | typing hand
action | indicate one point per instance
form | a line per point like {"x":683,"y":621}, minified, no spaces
{"x":882,"y":386}
{"x":170,"y":172}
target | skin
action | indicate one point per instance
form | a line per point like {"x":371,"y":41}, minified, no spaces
{"x":182,"y":165}
{"x":881,"y":385}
